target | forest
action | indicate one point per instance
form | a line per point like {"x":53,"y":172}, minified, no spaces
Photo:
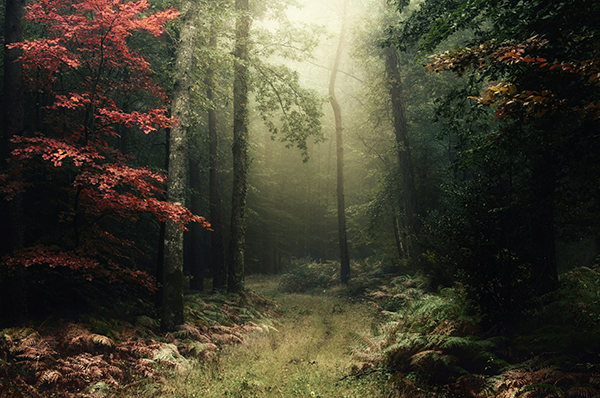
{"x":300,"y":198}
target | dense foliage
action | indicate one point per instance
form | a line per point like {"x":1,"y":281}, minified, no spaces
{"x":77,"y":186}
{"x":432,"y":344}
{"x":523,"y":186}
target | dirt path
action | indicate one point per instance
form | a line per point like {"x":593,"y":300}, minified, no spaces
{"x":306,"y":356}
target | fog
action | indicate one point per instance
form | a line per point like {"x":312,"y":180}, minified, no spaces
{"x":296,"y":200}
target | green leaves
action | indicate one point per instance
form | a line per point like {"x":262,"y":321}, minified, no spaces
{"x":291,"y":112}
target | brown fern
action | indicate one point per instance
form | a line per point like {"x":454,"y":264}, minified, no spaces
{"x":77,"y":339}
{"x":547,"y":382}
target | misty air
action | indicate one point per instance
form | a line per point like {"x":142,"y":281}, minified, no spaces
{"x":300,"y":198}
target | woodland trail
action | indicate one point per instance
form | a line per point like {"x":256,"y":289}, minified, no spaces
{"x":307,"y":355}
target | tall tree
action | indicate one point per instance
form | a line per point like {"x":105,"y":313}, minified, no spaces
{"x":195,"y":241}
{"x":409,"y":192}
{"x":339,"y":140}
{"x":172,"y":304}
{"x":219,"y":268}
{"x":239,"y":148}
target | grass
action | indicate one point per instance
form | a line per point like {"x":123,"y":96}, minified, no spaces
{"x":307,"y":355}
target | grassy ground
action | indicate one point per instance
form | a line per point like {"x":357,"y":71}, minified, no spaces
{"x":307,"y":355}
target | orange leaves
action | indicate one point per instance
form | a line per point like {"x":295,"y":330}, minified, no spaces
{"x":154,"y":24}
{"x":494,"y":93}
{"x":78,"y":260}
{"x":100,"y":190}
{"x":146,"y":121}
{"x":512,"y":104}
{"x":510,"y":98}
{"x":53,"y":151}
{"x":485,"y":55}
{"x":91,"y":37}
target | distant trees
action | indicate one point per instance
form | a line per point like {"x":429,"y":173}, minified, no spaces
{"x":290,"y":113}
{"x":219,"y":267}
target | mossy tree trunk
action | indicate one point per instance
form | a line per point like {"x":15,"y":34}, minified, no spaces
{"x":239,"y":149}
{"x":172,"y":303}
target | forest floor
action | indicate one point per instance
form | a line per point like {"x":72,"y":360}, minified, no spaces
{"x":382,"y":335}
{"x":308,"y":353}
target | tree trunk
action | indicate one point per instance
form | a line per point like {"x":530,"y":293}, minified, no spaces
{"x":219,"y":269}
{"x":239,"y":149}
{"x":407,"y":173}
{"x":267,"y":235}
{"x":397,"y":237}
{"x":196,"y":263}
{"x":172,"y":309}
{"x":160,"y":261}
{"x":543,"y":240}
{"x":339,"y":139}
{"x":13,"y":230}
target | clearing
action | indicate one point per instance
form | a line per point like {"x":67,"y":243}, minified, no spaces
{"x":307,"y":355}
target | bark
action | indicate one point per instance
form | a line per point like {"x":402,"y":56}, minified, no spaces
{"x":407,"y":173}
{"x":239,"y":149}
{"x":219,"y":269}
{"x":172,"y":309}
{"x":196,"y":262}
{"x":397,"y":237}
{"x":339,"y":139}
{"x":160,"y":261}
{"x":13,"y":230}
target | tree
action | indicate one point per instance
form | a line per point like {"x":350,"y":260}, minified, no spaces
{"x":85,"y":68}
{"x":341,"y":207}
{"x":411,"y":208}
{"x":216,"y":212}
{"x":290,"y":112}
{"x":172,"y":303}
{"x":240,"y":148}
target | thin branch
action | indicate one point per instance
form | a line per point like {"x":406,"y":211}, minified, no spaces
{"x":339,"y":70}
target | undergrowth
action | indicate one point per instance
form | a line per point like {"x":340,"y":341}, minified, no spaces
{"x":101,"y":357}
{"x":425,"y":344}
{"x":307,"y":275}
{"x":431,"y":344}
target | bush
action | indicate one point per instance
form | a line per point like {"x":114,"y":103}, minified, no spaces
{"x":304,"y":274}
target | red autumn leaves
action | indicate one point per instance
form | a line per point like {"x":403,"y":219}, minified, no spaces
{"x":85,"y":70}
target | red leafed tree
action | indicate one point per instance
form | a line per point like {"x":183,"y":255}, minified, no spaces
{"x":82,"y":71}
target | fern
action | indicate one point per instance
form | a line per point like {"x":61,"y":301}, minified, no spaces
{"x":50,"y":376}
{"x":103,"y":356}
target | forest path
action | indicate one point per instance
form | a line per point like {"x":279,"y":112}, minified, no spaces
{"x":306,"y":356}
